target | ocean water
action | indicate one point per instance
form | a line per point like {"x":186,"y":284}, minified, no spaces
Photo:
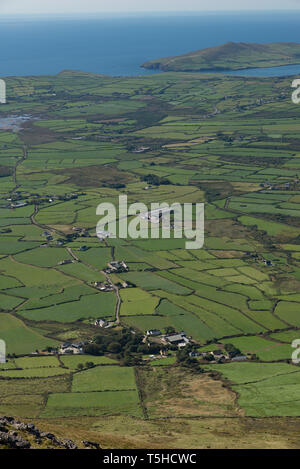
{"x":118,"y":45}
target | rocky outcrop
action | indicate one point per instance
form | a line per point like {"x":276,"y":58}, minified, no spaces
{"x":19,"y":435}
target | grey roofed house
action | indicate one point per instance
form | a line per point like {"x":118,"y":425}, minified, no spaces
{"x":177,"y":339}
{"x":117,"y":266}
{"x":239,"y":358}
{"x":100,"y":322}
{"x":154,"y":332}
{"x":66,"y":261}
{"x":19,"y":204}
{"x":217,"y":352}
{"x":66,"y":345}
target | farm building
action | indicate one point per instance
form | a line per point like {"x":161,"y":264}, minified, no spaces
{"x":72,"y":348}
{"x":100,"y":323}
{"x":117,"y":266}
{"x":239,"y":358}
{"x":153,"y":332}
{"x":65,"y":262}
{"x":177,"y":339}
{"x":103,"y":286}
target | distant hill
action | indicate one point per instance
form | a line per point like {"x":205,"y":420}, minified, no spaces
{"x":231,"y":56}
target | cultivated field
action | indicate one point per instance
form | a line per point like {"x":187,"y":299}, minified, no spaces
{"x":232,"y":143}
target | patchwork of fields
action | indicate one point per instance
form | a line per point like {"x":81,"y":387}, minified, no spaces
{"x":232,"y":143}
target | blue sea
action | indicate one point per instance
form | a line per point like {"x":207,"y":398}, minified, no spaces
{"x":118,"y":45}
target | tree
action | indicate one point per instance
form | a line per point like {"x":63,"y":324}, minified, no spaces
{"x":89,"y":364}
{"x":169,"y":330}
{"x":92,"y":349}
{"x":80,"y":366}
{"x":232,"y":350}
{"x":114,"y":347}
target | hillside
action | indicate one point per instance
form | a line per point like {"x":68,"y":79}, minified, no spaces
{"x":231,"y":56}
{"x":230,"y":142}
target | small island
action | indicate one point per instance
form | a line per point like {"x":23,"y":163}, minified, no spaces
{"x":230,"y":56}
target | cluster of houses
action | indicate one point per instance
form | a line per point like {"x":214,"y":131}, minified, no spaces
{"x":268,"y":263}
{"x":105,"y":287}
{"x":83,"y":248}
{"x":177,"y":338}
{"x":140,"y":149}
{"x":280,"y":186}
{"x":218,"y":356}
{"x":47,"y":236}
{"x":115,"y":267}
{"x":80,"y":231}
{"x":72,"y":348}
{"x":103,"y":323}
{"x":18,"y":204}
{"x":102,"y":234}
{"x":47,"y":198}
{"x":180,"y":340}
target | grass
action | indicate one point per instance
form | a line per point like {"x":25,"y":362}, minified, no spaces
{"x":137,"y":302}
{"x":19,"y":338}
{"x":71,"y":361}
{"x":150,"y":281}
{"x":104,"y":378}
{"x":92,"y":404}
{"x":33,"y":373}
{"x":36,"y":362}
{"x":89,"y":306}
{"x":223,"y":292}
{"x":44,"y":256}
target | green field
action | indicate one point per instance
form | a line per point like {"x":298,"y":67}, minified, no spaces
{"x":231,"y":143}
{"x":92,"y":404}
{"x":105,"y":378}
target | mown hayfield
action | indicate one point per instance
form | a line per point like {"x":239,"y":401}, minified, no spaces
{"x":92,"y":404}
{"x":137,"y":302}
{"x":255,"y":274}
{"x":247,"y":290}
{"x":104,"y":378}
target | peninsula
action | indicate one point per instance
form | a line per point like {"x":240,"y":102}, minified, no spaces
{"x":230,"y":56}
